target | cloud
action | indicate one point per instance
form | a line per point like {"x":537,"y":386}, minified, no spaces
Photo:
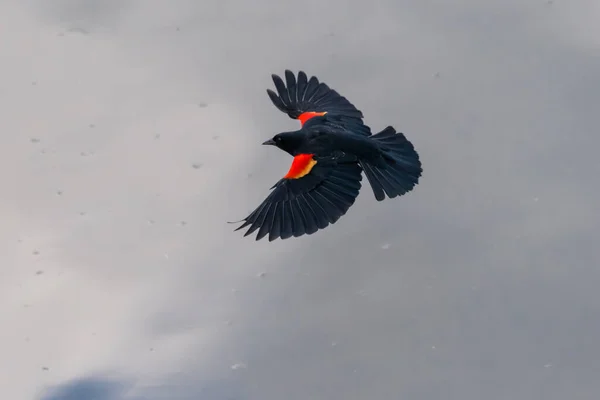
{"x":88,"y":388}
{"x":133,"y":133}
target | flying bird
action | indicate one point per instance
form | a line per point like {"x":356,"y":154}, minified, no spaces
{"x":331,"y":150}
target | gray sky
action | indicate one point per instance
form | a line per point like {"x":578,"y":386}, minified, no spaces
{"x":131,"y":133}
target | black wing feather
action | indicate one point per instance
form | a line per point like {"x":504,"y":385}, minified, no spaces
{"x":282,"y":90}
{"x":297,"y":96}
{"x":276,"y":100}
{"x":297,"y":207}
{"x":287,"y":220}
{"x":311,"y":89}
{"x":299,"y":227}
{"x":301,"y":86}
{"x":290,"y":81}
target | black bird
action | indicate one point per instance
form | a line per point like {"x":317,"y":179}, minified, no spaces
{"x":331,"y":150}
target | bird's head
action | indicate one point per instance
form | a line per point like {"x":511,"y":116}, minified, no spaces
{"x":286,"y":141}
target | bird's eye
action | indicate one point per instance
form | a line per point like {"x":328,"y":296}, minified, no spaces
{"x":278,"y":139}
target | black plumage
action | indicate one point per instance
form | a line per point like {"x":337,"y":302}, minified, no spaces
{"x":331,"y":150}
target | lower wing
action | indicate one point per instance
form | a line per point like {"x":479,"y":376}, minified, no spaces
{"x":315,"y":193}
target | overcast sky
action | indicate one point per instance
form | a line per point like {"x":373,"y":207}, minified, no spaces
{"x":131,"y":134}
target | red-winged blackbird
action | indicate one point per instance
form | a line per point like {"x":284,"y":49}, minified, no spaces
{"x":331,"y":150}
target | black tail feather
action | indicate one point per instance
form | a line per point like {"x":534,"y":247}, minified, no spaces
{"x":398,"y":169}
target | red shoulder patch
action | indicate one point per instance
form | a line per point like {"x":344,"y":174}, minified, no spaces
{"x":305,"y":116}
{"x":301,"y":166}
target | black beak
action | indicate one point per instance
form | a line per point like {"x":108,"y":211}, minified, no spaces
{"x":269,"y":142}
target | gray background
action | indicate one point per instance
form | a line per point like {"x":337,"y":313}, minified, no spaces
{"x":131,"y":133}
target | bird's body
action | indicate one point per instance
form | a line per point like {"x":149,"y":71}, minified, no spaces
{"x":331,"y":150}
{"x":322,"y":138}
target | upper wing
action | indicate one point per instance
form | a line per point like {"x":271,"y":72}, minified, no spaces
{"x":305,"y":98}
{"x":316,"y":192}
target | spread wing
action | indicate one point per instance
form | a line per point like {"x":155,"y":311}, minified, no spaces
{"x":305,"y":98}
{"x":306,"y":201}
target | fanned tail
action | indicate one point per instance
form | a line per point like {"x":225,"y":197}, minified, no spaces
{"x":398,"y":169}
